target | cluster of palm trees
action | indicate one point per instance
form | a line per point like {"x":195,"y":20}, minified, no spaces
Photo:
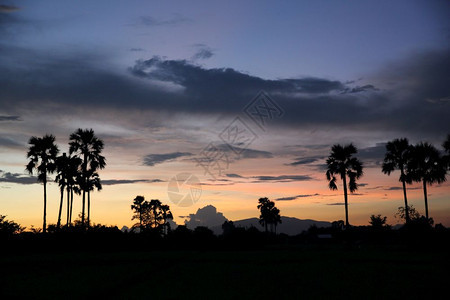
{"x":270,"y":214}
{"x":417,"y":163}
{"x":75,"y":173}
{"x":152,"y":215}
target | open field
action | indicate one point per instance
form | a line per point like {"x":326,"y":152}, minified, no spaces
{"x":309,"y":272}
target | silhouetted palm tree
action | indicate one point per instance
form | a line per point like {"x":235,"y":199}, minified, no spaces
{"x":93,"y":182}
{"x":88,"y":147}
{"x":342,"y":162}
{"x":62,"y":169}
{"x":73,"y":178}
{"x":270,"y":215}
{"x":427,"y":166}
{"x":42,"y":154}
{"x":396,"y":158}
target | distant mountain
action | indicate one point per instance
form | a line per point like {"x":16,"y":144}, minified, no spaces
{"x":289,"y":226}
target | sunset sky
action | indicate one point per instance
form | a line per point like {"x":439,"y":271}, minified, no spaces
{"x":161,"y":83}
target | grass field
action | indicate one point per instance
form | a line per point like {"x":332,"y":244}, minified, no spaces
{"x":296,"y":273}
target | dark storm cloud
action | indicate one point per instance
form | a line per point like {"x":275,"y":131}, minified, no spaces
{"x":30,"y":77}
{"x":8,"y":177}
{"x":283,"y":178}
{"x":153,"y":159}
{"x":128,"y":181}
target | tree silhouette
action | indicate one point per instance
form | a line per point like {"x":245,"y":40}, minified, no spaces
{"x":446,"y":146}
{"x":166,"y":216}
{"x":396,"y":158}
{"x":427,"y":166}
{"x":341,"y":162}
{"x":152,"y":215}
{"x":270,"y":215}
{"x":378,"y":222}
{"x":88,"y":147}
{"x":93,"y":182}
{"x":73,"y":179}
{"x":9,"y":227}
{"x":62,"y":169}
{"x":42,"y":154}
{"x":138,"y":207}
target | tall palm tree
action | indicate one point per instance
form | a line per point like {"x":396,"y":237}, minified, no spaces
{"x":396,"y":158}
{"x":88,"y":147}
{"x":342,"y":162}
{"x":426,"y":166}
{"x":42,"y":154}
{"x":62,"y":169}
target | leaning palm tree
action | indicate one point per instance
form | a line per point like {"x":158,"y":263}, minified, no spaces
{"x":396,"y":158}
{"x":42,"y":154}
{"x":426,"y":166}
{"x":88,"y":147}
{"x":342,"y":162}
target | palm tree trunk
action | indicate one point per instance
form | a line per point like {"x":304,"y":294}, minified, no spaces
{"x":44,"y":225}
{"x":58,"y":224}
{"x":71,"y":205}
{"x":344,"y":179}
{"x":89,"y":208}
{"x":425,"y":197}
{"x":83,"y":208}
{"x":68,"y":205}
{"x":406,"y":200}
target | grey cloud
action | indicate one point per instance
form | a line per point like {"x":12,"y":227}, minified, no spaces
{"x":207,"y":216}
{"x":296,"y":197}
{"x":77,"y":81}
{"x":9,"y":118}
{"x":8,"y":177}
{"x":7,"y":8}
{"x":233,"y":175}
{"x":176,"y":19}
{"x":128,"y":181}
{"x":283,"y":178}
{"x":336,"y":203}
{"x":305,"y":161}
{"x":203,"y":53}
{"x":153,"y":159}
